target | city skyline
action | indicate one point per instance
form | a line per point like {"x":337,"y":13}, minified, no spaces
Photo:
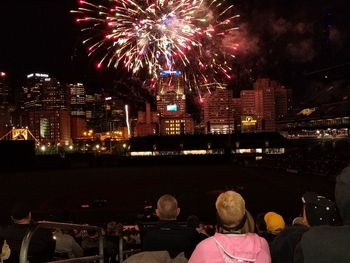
{"x":42,"y":36}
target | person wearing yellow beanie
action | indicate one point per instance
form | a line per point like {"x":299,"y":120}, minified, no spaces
{"x":274,"y":223}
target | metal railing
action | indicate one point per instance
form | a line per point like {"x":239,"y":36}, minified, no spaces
{"x":23,"y":257}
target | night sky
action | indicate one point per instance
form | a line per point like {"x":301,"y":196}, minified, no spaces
{"x":280,"y":39}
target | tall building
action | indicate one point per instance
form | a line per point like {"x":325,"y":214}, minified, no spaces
{"x":4,"y":91}
{"x":5,"y":114}
{"x":248,"y":111}
{"x":50,"y":127}
{"x":171,"y":104}
{"x":237,"y":107}
{"x":219,"y":111}
{"x":265,"y":104}
{"x":42,"y":92}
{"x":76,"y":99}
{"x":248,"y":102}
{"x":94,"y":110}
{"x":147,"y":122}
{"x":171,"y":98}
{"x":76,"y":102}
{"x":281,"y":101}
{"x":44,"y":102}
{"x":113,"y":113}
{"x":78,"y":127}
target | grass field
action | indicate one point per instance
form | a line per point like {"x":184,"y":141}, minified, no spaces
{"x":126,"y":188}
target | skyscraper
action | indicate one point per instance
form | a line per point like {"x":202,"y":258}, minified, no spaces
{"x":219,"y":114}
{"x":281,"y":99}
{"x":171,"y":104}
{"x":4,"y":90}
{"x":42,"y":92}
{"x":76,"y":99}
{"x":5,"y":115}
{"x":265,"y":104}
{"x":45,"y":111}
{"x":248,"y":111}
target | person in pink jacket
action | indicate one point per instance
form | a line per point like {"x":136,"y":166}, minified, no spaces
{"x":230,"y":244}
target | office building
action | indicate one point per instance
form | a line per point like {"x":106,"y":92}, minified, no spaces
{"x":265,"y":104}
{"x":5,"y":113}
{"x":171,"y":104}
{"x":219,"y":110}
{"x":147,"y":122}
{"x":76,"y":99}
{"x":45,"y":111}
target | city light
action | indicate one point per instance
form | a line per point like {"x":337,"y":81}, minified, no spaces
{"x":40,"y":75}
{"x":127,"y":119}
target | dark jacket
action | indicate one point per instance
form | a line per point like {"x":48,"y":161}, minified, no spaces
{"x":324,"y":244}
{"x":283,"y":246}
{"x":41,"y":246}
{"x":331,"y":244}
{"x":169,"y":236}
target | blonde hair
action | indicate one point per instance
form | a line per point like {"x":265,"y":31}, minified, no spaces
{"x":249,"y":225}
{"x":230,"y":207}
{"x":167,"y":207}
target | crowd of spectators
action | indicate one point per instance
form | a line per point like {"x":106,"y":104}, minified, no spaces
{"x":324,"y":158}
{"x":320,"y":233}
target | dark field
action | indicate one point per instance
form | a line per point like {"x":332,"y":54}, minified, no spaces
{"x":58,"y":194}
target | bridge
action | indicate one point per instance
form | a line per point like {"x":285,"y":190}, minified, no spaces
{"x":22,"y":134}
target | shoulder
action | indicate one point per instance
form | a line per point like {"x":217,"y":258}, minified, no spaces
{"x":204,"y":251}
{"x":208,"y":244}
{"x":319,"y":233}
{"x":255,"y":237}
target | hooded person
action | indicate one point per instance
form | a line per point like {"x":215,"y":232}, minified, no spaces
{"x":329,"y":243}
{"x":230,"y":243}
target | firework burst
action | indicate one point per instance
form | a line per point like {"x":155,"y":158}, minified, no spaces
{"x":157,"y":35}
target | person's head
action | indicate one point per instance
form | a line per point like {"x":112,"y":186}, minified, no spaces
{"x":342,"y":195}
{"x":193,"y":221}
{"x":230,"y":207}
{"x":274,"y":223}
{"x":318,"y":210}
{"x":21,"y":213}
{"x":167,"y":208}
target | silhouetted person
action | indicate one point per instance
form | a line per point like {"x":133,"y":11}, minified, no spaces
{"x":66,"y":246}
{"x":167,"y":234}
{"x":42,"y":244}
{"x":317,"y":210}
{"x":328,"y":244}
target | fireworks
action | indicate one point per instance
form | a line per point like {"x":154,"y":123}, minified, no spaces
{"x":187,"y":35}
